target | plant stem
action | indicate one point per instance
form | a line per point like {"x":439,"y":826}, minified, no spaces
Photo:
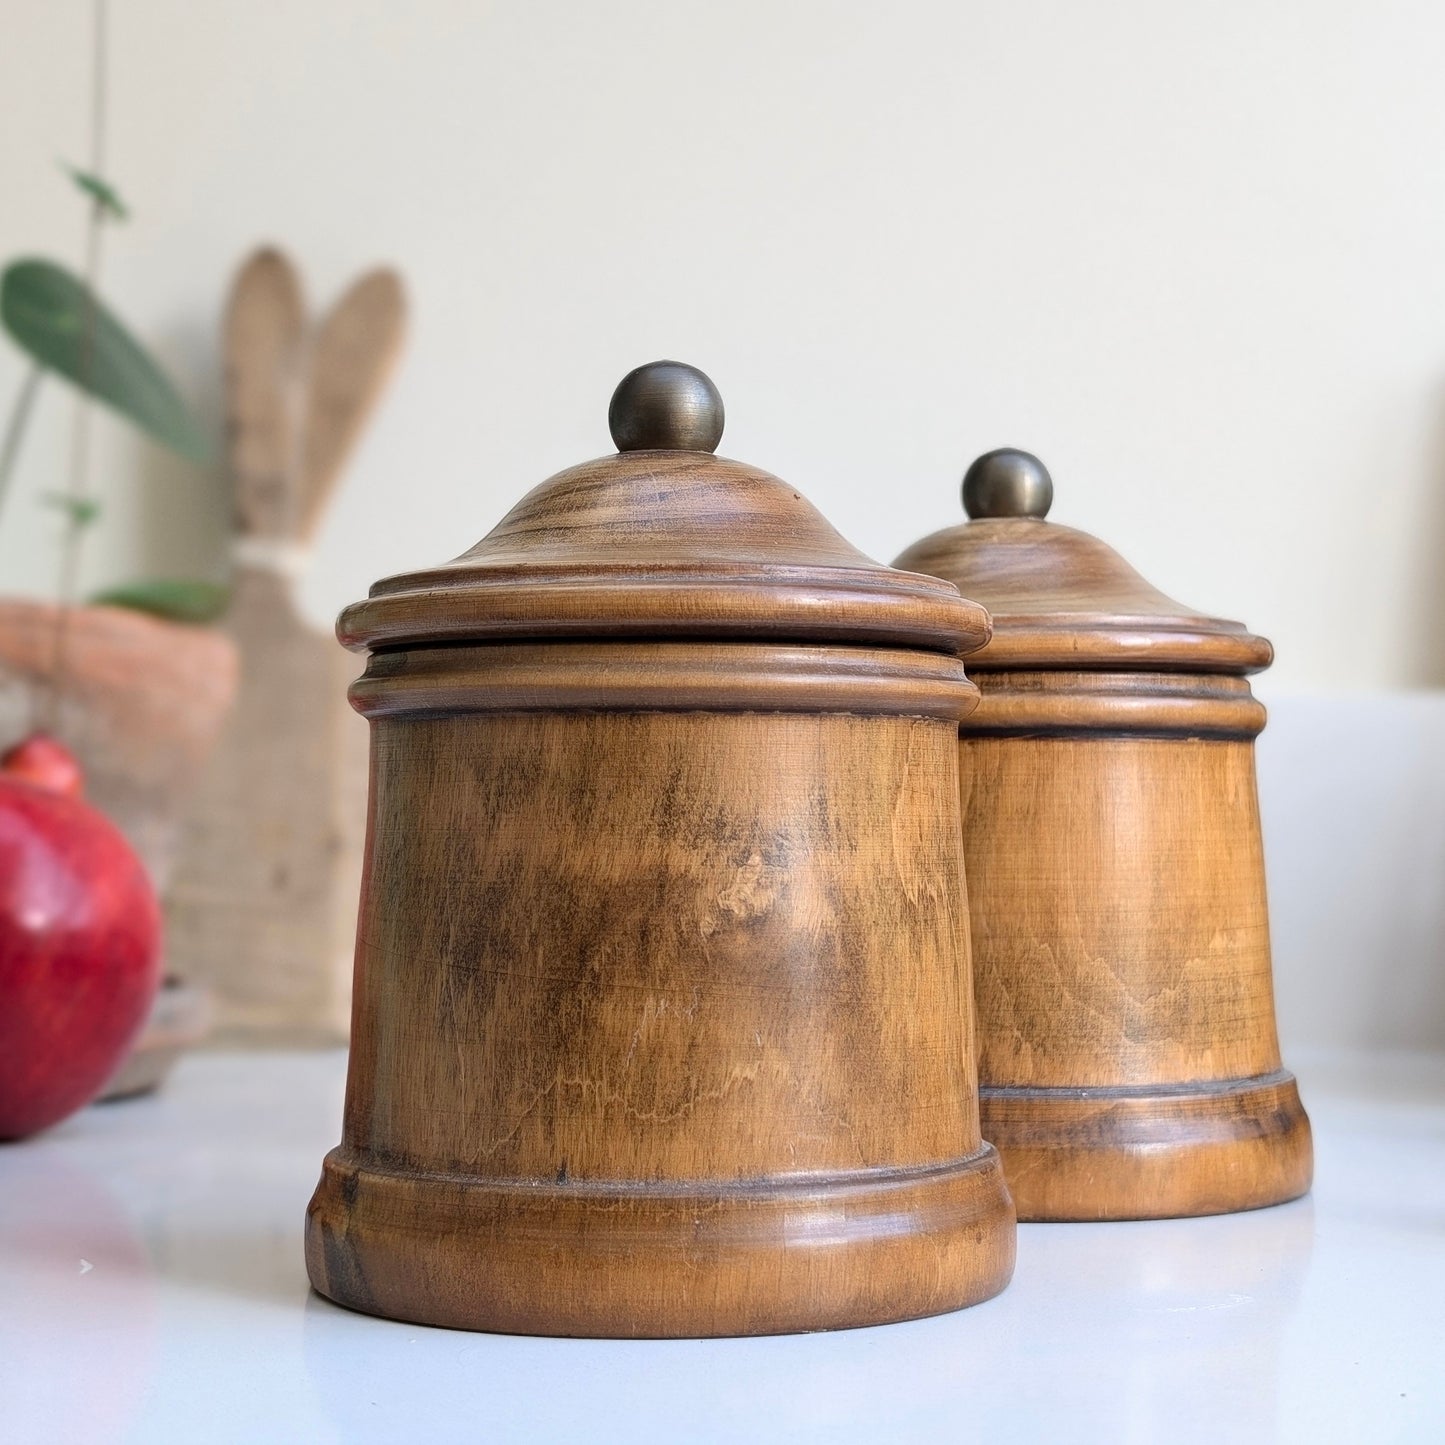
{"x":15,"y":429}
{"x":75,"y":525}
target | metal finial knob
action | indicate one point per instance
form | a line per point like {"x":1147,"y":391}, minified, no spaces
{"x":1007,"y":483}
{"x":666,"y":406}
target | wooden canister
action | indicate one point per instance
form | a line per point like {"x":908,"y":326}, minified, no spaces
{"x":1128,"y":1058}
{"x":662,"y":1022}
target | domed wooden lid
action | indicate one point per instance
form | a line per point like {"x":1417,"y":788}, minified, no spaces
{"x":665,"y":540}
{"x":1061,"y":599}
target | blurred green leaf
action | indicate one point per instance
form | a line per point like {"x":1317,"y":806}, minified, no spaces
{"x":175,"y":598}
{"x":82,"y":511}
{"x":44,"y":308}
{"x":100,"y":191}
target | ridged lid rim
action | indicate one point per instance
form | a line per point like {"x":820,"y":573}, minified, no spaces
{"x":1062,"y":599}
{"x":665,"y":540}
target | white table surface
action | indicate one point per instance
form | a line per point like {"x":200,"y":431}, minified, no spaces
{"x":152,"y":1289}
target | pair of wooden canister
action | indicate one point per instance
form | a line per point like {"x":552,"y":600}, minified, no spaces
{"x":665,"y":1021}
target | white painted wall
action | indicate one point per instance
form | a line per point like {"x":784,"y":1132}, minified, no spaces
{"x":1352,"y":791}
{"x":1194,"y":255}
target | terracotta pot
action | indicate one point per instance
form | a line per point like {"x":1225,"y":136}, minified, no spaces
{"x":141,"y":706}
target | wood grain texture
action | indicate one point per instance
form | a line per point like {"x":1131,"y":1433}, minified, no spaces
{"x":1094,"y":704}
{"x":1120,"y":927}
{"x":352,"y":358}
{"x":262,"y":904}
{"x":665,"y":544}
{"x":665,"y":677}
{"x":265,"y":343}
{"x":1153,"y":1152}
{"x":1128,"y":1054}
{"x":662,"y":1027}
{"x":1062,"y":598}
{"x":662,"y":1019}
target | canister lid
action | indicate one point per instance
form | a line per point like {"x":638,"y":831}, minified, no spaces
{"x":1060,"y":598}
{"x":665,"y":540}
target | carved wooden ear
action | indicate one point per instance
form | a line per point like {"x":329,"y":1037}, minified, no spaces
{"x":353,"y":357}
{"x":264,"y":348}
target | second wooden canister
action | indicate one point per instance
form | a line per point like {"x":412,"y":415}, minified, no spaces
{"x":662,"y":1021}
{"x":1128,"y":1058}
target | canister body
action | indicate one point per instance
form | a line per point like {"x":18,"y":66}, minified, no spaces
{"x":662,"y":1020}
{"x":1128,"y":1050}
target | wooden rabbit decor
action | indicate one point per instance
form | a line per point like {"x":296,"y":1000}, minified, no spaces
{"x":263,"y":905}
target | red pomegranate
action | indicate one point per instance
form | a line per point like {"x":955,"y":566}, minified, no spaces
{"x":80,"y":934}
{"x":46,"y":763}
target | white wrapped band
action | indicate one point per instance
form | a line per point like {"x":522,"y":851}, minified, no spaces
{"x":272,"y":554}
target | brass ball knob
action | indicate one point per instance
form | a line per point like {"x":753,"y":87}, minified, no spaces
{"x":1007,"y":483}
{"x":666,"y":406}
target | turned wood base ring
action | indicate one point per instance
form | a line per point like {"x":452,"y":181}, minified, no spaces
{"x":658,"y":1260}
{"x":1158,"y":1152}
